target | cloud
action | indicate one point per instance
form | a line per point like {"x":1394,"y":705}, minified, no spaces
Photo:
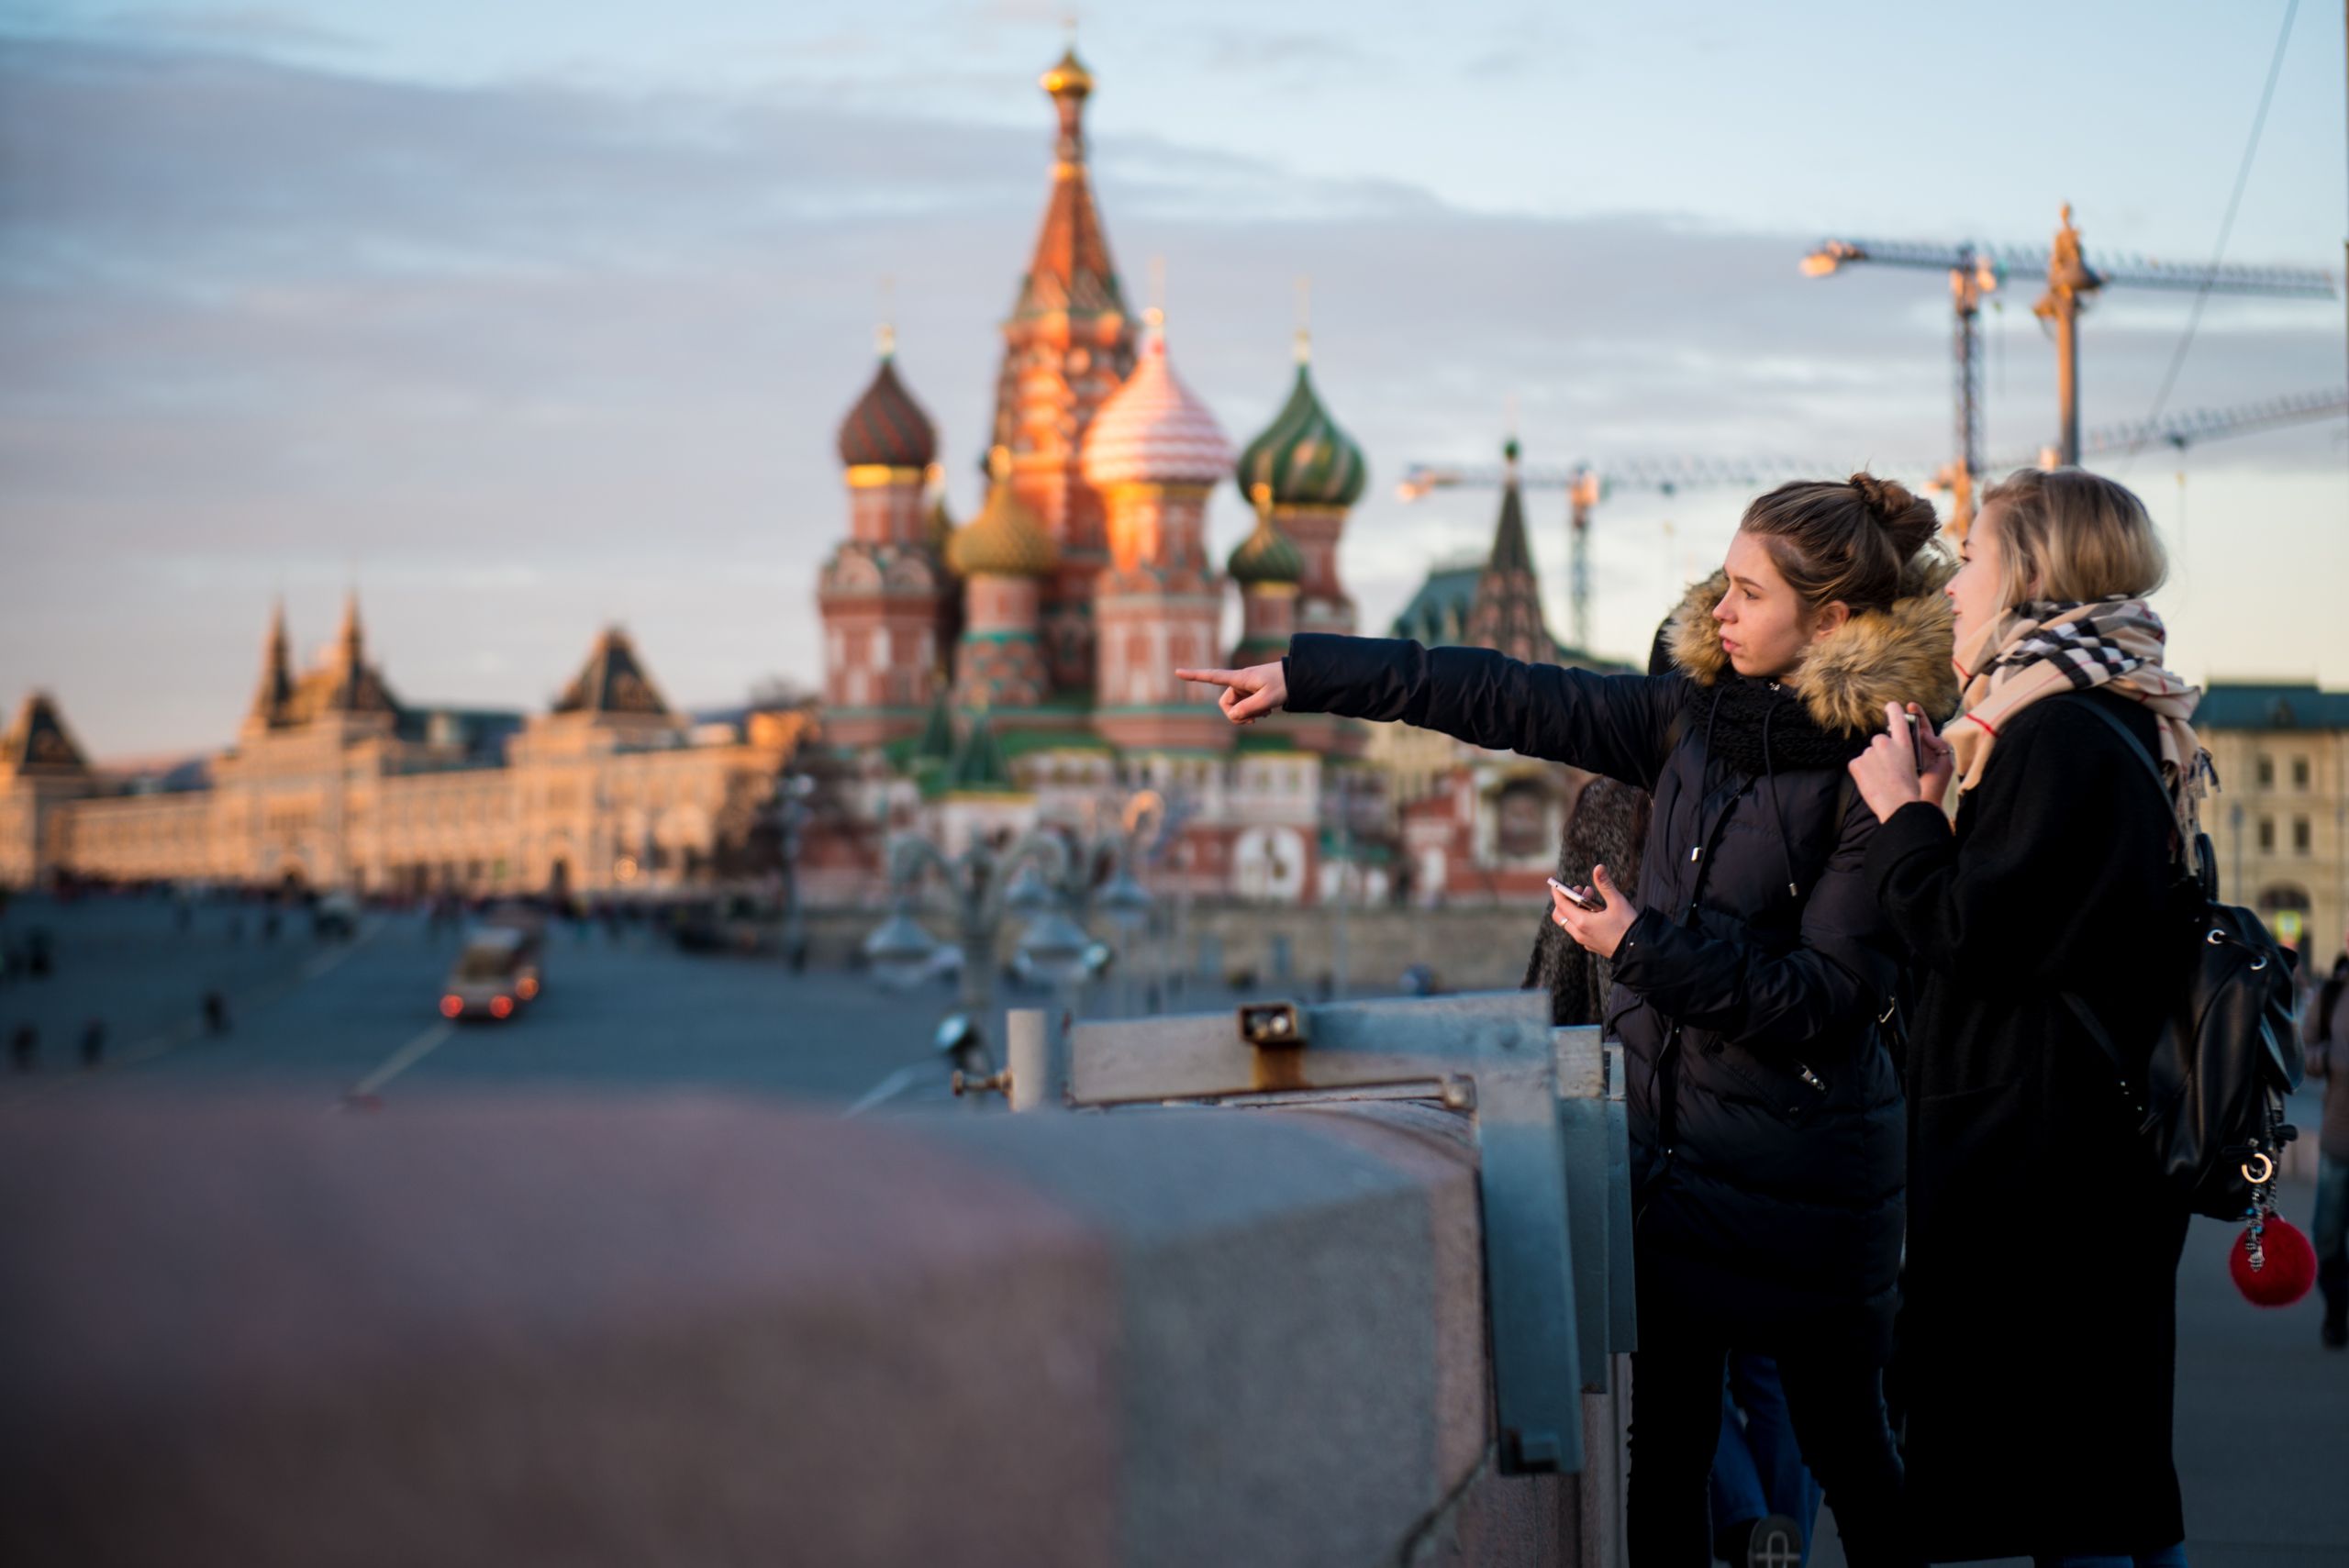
{"x":528,"y":357}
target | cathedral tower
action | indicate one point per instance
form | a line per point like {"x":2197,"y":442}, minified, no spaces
{"x":1004,"y":558}
{"x":1067,"y":345}
{"x":882,"y":593}
{"x":1506,"y":611}
{"x":1156,"y":453}
{"x":1315,"y":474}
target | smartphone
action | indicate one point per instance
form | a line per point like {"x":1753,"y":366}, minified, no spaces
{"x":1590,"y":901}
{"x":1916,"y":742}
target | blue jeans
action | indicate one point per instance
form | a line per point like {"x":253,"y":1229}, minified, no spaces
{"x":1758,"y":1468}
{"x":2167,"y":1557}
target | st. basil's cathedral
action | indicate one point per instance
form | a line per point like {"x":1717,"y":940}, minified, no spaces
{"x":1021,"y":667}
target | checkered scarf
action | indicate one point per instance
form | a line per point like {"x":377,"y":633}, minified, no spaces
{"x":2044,"y":648}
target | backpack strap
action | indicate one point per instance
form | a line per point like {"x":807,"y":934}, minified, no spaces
{"x":2154,"y":772}
{"x":2088,"y":1021}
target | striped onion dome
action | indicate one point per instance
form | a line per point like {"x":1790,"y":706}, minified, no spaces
{"x":1266,"y":555}
{"x":887,"y":428}
{"x":1302,"y":454}
{"x":1007,"y":538}
{"x":1154,"y":430}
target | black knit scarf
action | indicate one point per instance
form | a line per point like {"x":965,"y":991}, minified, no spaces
{"x":1747,"y":708}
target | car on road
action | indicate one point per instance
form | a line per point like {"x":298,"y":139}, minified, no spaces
{"x":487,"y":979}
{"x":335,"y":915}
{"x":531,"y":962}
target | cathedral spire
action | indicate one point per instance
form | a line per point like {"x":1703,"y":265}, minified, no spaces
{"x":1506,"y":611}
{"x":1067,"y":346}
{"x":276,"y":669}
{"x":349,"y":641}
{"x":1070,"y":270}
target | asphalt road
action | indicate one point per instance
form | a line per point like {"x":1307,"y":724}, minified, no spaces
{"x":338,"y":1016}
{"x":2263,"y":1411}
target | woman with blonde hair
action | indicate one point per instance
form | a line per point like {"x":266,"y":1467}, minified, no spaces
{"x":2038,"y":1335}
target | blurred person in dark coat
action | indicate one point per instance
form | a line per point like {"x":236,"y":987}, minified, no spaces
{"x":2324,"y":1029}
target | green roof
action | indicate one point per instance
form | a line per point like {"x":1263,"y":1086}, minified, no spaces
{"x":1438,"y":613}
{"x":1028,"y":742}
{"x":2228,"y":704}
{"x":979,"y":766}
{"x":936,"y":742}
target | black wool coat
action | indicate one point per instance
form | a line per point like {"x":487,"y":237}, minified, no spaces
{"x":1765,"y":1118}
{"x":2038,"y":1339}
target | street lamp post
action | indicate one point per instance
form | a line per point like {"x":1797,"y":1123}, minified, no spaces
{"x":983,"y":887}
{"x":791,"y":815}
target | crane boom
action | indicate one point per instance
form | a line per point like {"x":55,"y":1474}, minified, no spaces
{"x":1976,"y":269}
{"x":1588,"y":483}
{"x":2135,"y":272}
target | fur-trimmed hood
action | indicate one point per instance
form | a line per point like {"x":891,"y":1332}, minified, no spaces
{"x":1898,"y":655}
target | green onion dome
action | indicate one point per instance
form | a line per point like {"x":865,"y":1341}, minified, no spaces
{"x":1007,"y":538}
{"x":1266,"y":555}
{"x":1303,"y":455}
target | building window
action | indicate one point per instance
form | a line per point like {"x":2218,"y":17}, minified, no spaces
{"x":2267,"y":834}
{"x":2266,"y":771}
{"x":2299,"y":835}
{"x":2299,"y":772}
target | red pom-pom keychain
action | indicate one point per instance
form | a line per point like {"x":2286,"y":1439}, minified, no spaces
{"x":2272,"y":1262}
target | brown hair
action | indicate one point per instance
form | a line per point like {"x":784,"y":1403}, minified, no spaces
{"x":2083,"y":536}
{"x":1850,"y":541}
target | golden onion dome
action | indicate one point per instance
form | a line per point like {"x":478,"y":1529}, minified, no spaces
{"x":1007,"y":538}
{"x":1068,"y":76}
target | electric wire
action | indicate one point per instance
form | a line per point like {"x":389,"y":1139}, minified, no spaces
{"x":2226,"y":228}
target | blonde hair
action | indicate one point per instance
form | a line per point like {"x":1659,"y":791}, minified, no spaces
{"x":2081,"y":535}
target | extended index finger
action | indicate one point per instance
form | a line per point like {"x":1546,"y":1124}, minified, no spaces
{"x":1211,"y":677}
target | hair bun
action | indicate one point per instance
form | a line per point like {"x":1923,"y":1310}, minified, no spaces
{"x":1907,"y":517}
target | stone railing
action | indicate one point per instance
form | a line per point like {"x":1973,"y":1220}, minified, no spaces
{"x":696,"y":1330}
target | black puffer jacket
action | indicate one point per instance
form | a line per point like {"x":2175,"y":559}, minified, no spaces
{"x":1767,"y":1129}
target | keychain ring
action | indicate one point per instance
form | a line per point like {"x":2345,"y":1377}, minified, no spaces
{"x":2266,"y":1170}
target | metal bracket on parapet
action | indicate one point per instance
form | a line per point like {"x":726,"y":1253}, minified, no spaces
{"x":1599,"y":1196}
{"x":1490,"y":1054}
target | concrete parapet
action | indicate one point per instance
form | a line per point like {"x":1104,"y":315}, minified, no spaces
{"x":694,"y":1331}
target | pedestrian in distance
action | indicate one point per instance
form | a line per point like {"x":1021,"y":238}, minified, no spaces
{"x":2039,"y":1334}
{"x":1751,"y":965}
{"x":24,"y":1047}
{"x":216,"y":1013}
{"x":94,"y":1042}
{"x":2324,"y":1030}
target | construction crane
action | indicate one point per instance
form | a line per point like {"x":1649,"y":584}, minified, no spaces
{"x":1587,"y":484}
{"x":1976,"y":269}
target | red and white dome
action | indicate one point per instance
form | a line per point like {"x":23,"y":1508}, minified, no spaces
{"x":1154,"y":430}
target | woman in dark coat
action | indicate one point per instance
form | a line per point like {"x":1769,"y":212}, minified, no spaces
{"x":2039,"y":1336}
{"x":1749,"y":974}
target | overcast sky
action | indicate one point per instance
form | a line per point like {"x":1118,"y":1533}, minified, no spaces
{"x":531,"y":317}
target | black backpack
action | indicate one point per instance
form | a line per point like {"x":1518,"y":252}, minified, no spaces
{"x":2210,"y":1098}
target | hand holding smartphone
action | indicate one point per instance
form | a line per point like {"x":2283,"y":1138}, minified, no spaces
{"x":1916,"y":742}
{"x":1591,"y":901}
